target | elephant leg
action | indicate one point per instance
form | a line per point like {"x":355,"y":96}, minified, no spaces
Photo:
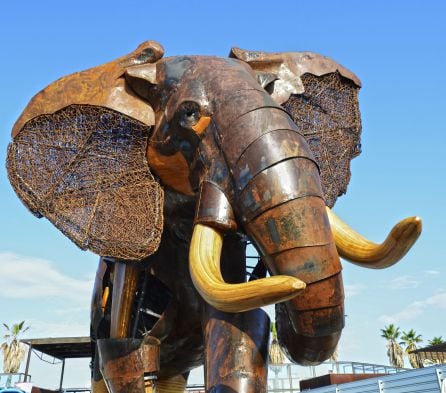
{"x":118,"y":351}
{"x":129,"y":365}
{"x":125,"y":279}
{"x":236,"y":345}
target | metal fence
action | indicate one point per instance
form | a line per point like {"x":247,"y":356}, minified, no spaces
{"x":285,"y":378}
{"x":10,"y":379}
{"x":424,"y":380}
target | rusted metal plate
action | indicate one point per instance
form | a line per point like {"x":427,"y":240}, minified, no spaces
{"x":251,"y":126}
{"x":283,"y":182}
{"x":267,"y":150}
{"x":237,"y":351}
{"x":298,"y":223}
{"x":309,"y":346}
{"x":328,"y":292}
{"x":213,"y":208}
{"x":309,"y":264}
{"x":101,"y":86}
{"x":240,"y":102}
{"x":125,"y":362}
{"x":289,"y":68}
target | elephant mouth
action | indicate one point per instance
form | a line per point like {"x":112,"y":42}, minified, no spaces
{"x":204,"y":264}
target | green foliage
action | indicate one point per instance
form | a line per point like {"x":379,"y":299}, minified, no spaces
{"x":13,"y":350}
{"x":436,"y":341}
{"x":394,"y":350}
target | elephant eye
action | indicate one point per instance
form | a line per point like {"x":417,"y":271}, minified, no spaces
{"x":189,"y":114}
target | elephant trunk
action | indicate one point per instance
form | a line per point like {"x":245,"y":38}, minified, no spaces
{"x":283,"y":211}
{"x":278,"y":200}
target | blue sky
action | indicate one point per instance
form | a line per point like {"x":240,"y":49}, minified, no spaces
{"x":396,"y":48}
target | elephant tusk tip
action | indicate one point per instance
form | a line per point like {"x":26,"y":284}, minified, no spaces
{"x":418,"y":223}
{"x":298,"y":285}
{"x":409,"y":228}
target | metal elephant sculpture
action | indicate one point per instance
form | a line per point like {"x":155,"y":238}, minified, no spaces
{"x":167,"y":167}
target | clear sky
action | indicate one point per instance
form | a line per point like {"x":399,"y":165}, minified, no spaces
{"x":397,"y":48}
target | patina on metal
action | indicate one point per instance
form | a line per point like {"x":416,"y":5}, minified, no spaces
{"x":175,"y":163}
{"x":129,"y":365}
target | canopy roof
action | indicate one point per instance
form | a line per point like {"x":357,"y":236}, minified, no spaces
{"x":61,"y":347}
{"x":434,"y":352}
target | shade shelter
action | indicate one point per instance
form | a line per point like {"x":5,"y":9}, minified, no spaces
{"x":60,"y":348}
{"x":434,"y":353}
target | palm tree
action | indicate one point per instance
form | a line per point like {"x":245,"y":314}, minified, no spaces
{"x":438,"y":357}
{"x":410,"y":340}
{"x":13,"y":350}
{"x":394,"y":350}
{"x":276,"y":355}
{"x":436,"y":341}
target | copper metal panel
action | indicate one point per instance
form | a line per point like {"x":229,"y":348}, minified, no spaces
{"x":309,"y":264}
{"x":237,"y":351}
{"x":289,"y":68}
{"x":309,"y":346}
{"x":240,"y":102}
{"x":125,"y":361}
{"x":283,"y":182}
{"x":327,"y":292}
{"x":298,"y":223}
{"x":101,"y":86}
{"x":249,"y":127}
{"x":214,"y":209}
{"x":320,"y":322}
{"x":267,"y":150}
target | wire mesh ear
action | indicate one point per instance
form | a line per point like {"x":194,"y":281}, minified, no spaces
{"x":85,"y":169}
{"x":327,"y":114}
{"x":322,"y":98}
{"x":78,"y":157}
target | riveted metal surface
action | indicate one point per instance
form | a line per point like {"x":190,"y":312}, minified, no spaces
{"x":283,"y":182}
{"x":267,"y":150}
{"x":298,"y":223}
{"x":309,"y":264}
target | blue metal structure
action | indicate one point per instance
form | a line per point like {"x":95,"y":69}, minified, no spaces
{"x":423,"y":380}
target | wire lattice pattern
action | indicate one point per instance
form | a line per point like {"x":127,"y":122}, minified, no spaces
{"x":327,"y":114}
{"x":85,"y":169}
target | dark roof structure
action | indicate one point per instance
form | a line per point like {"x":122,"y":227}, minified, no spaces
{"x":436,"y":353}
{"x":61,"y":347}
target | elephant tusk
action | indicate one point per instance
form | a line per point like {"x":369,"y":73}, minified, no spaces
{"x":357,"y":249}
{"x":204,"y":265}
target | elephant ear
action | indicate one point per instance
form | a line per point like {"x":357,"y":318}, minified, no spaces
{"x":322,"y":98}
{"x":78,"y":158}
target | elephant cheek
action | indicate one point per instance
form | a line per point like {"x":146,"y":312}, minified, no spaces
{"x":173,"y":170}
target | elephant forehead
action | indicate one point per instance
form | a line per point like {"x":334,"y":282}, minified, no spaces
{"x":214,"y":72}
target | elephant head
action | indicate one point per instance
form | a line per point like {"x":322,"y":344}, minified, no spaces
{"x":249,"y":137}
